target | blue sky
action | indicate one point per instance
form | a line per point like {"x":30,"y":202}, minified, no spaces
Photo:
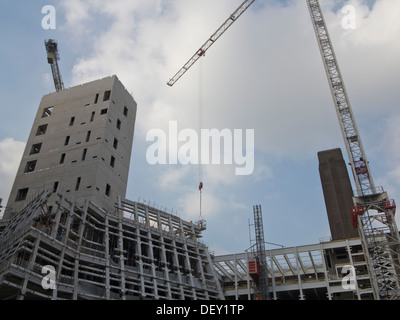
{"x":264,"y":74}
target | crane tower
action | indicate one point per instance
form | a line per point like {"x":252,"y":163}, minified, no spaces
{"x":263,"y":293}
{"x":373,"y":212}
{"x":52,"y":58}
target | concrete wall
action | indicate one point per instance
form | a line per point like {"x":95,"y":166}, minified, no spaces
{"x":92,"y":123}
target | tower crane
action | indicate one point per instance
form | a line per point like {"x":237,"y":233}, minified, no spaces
{"x":52,"y":58}
{"x":214,"y":37}
{"x":373,"y":212}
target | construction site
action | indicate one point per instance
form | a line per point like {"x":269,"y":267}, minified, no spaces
{"x":69,"y":232}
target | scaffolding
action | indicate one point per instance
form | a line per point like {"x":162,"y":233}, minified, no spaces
{"x":137,"y":252}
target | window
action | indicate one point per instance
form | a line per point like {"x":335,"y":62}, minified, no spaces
{"x":36,"y":148}
{"x":125,"y":111}
{"x":118,"y":124}
{"x":92,"y":116}
{"x":84,"y":154}
{"x":104,"y":111}
{"x":88,"y":136}
{"x":107,"y":95}
{"x":41,"y":130}
{"x":96,"y":99}
{"x":115,"y":144}
{"x":112,"y":162}
{"x":30,"y":166}
{"x":55,"y":187}
{"x":21,"y":194}
{"x":66,"y":141}
{"x":47,"y":112}
{"x":71,"y":122}
{"x":108,"y":190}
{"x":78,"y":183}
{"x":62,"y":159}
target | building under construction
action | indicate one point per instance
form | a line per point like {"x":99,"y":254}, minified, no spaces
{"x":69,"y":233}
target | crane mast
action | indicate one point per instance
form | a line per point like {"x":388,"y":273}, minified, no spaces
{"x":215,"y":36}
{"x":373,"y":212}
{"x":52,"y":59}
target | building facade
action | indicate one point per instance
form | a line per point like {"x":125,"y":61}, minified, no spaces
{"x":80,"y":144}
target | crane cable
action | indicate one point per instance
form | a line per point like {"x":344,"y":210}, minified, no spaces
{"x":200,"y":127}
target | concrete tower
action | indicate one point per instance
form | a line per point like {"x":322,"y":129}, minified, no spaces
{"x":338,"y":193}
{"x":80,"y":144}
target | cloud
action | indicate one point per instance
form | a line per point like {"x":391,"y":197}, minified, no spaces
{"x":265,"y":73}
{"x":10,"y":156}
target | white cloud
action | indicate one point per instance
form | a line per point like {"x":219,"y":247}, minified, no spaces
{"x":10,"y":156}
{"x":264,"y":74}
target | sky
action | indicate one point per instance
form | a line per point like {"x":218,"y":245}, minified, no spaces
{"x":264,"y":74}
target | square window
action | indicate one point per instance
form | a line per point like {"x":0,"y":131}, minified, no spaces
{"x":30,"y":166}
{"x":104,"y":111}
{"x":36,"y":148}
{"x":22,"y":194}
{"x":47,"y":112}
{"x":107,"y":95}
{"x":41,"y":130}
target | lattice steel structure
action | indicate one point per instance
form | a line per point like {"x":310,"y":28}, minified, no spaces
{"x":52,"y":58}
{"x":263,"y":292}
{"x":137,"y":252}
{"x":214,"y":37}
{"x":374,"y":212}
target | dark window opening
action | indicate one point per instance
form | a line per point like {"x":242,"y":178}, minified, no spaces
{"x":112,"y":162}
{"x":118,"y":124}
{"x":125,"y":111}
{"x":55,"y":187}
{"x":62,"y":159}
{"x":104,"y":111}
{"x":97,"y":98}
{"x":78,"y":183}
{"x":66,"y":140}
{"x":22,"y":194}
{"x":107,"y":95}
{"x":84,"y":154}
{"x":41,"y":130}
{"x":30,"y":166}
{"x":36,"y":148}
{"x":47,"y":112}
{"x":115,"y":144}
{"x":71,"y":122}
{"x":108,"y":190}
{"x":92,"y":116}
{"x":88,"y":136}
